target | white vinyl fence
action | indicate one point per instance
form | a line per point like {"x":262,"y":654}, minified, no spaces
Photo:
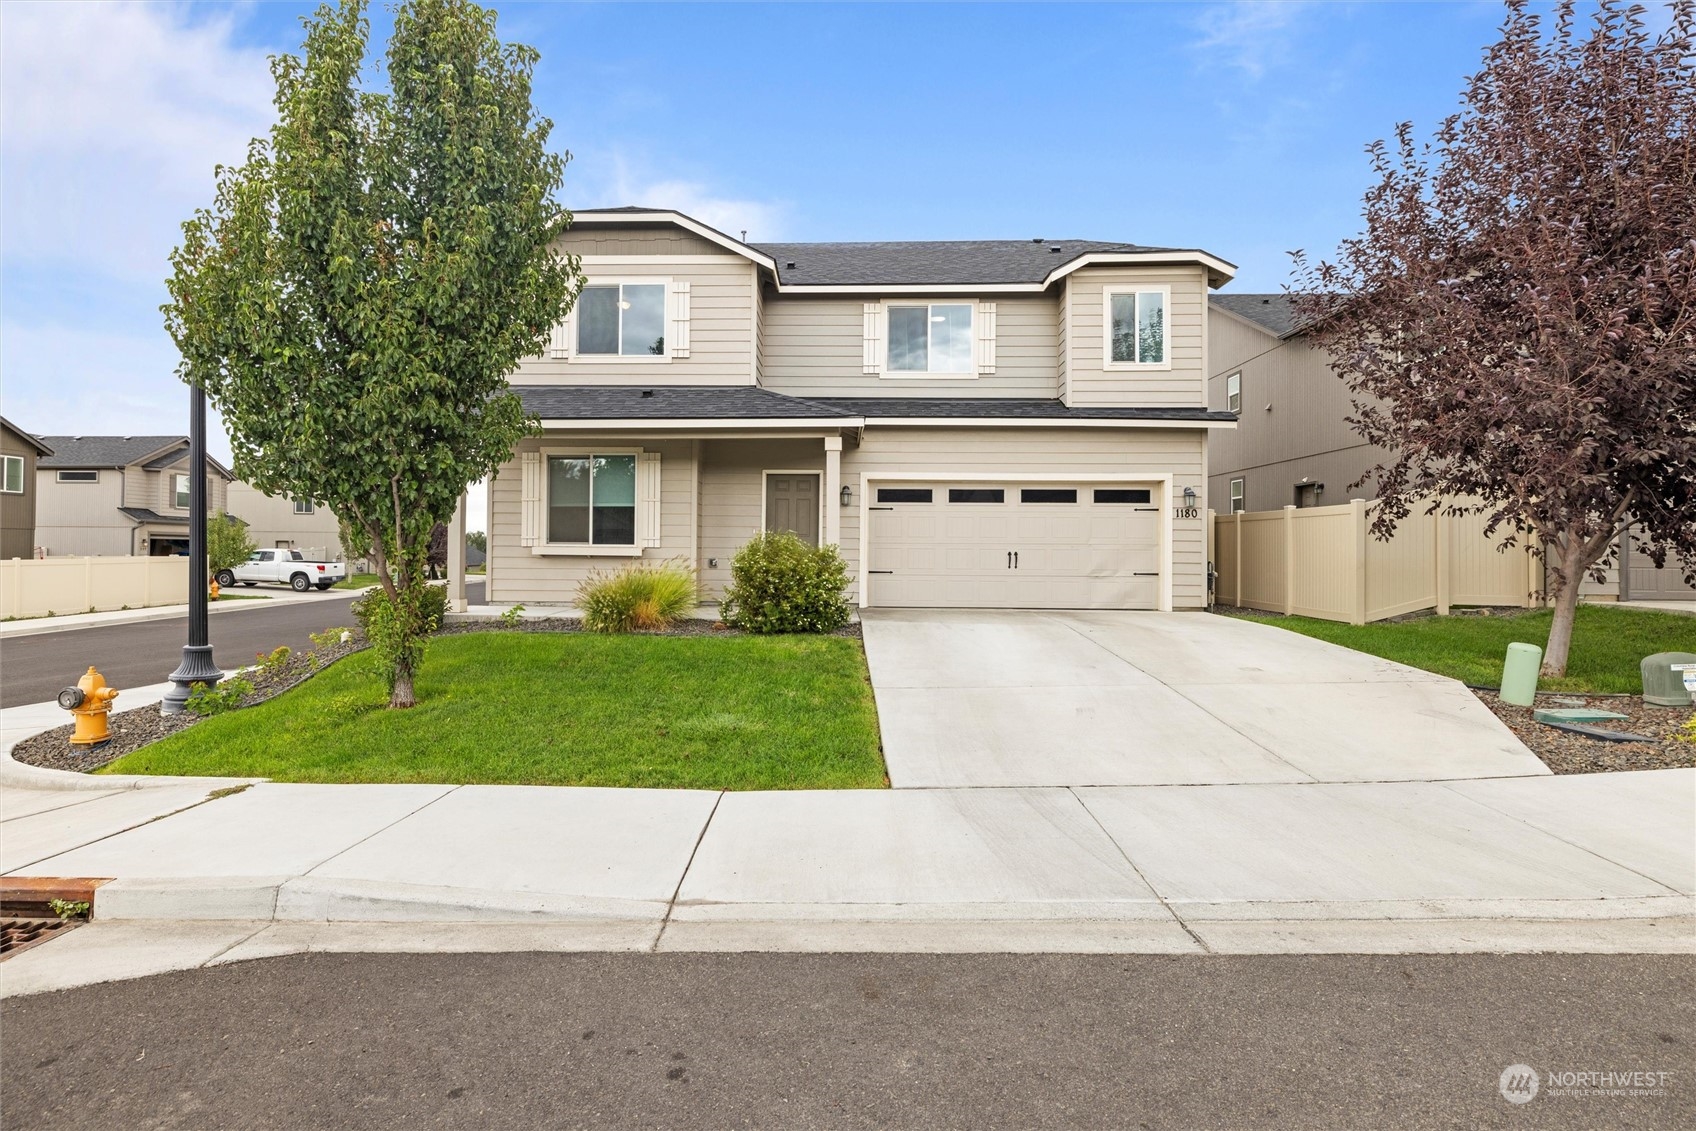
{"x":1322,"y":562}
{"x":34,"y":587}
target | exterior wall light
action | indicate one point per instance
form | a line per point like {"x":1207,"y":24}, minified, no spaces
{"x":847,"y":495}
{"x":1189,"y":496}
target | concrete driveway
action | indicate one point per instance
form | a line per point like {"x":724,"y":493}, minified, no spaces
{"x":999,"y":698}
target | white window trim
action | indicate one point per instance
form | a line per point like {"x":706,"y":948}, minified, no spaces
{"x":1239,"y":494}
{"x":59,"y":477}
{"x":298,"y":503}
{"x":671,"y":345}
{"x":8,"y":462}
{"x":972,"y":374}
{"x":587,"y":549}
{"x":1237,"y":395}
{"x":1107,"y":293}
{"x":765,"y":488}
{"x":187,"y":490}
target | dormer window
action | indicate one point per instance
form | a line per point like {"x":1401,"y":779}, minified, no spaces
{"x":1136,"y":327}
{"x":625,"y":320}
{"x":930,"y":338}
{"x":179,"y":492}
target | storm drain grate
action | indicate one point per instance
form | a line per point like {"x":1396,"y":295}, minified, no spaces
{"x":21,"y":934}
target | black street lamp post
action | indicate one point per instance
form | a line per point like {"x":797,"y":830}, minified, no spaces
{"x":197,"y":665}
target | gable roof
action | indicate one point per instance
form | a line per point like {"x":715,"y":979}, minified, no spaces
{"x":28,"y":438}
{"x":1274,"y":313}
{"x":1010,"y":266}
{"x":104,"y":451}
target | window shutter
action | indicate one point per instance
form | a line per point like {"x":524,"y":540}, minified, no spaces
{"x":648,"y":498}
{"x":559,"y":339}
{"x":986,"y":337}
{"x":680,"y":319}
{"x":530,"y":499}
{"x":872,"y":353}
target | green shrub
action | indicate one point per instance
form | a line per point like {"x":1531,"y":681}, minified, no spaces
{"x":512,"y":617}
{"x":778,"y":583}
{"x":399,"y":631}
{"x":638,"y":597}
{"x":204,"y":700}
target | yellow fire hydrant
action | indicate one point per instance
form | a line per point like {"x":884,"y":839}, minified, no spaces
{"x":90,"y":701}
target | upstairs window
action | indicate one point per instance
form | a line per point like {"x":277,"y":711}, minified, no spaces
{"x":1136,"y":328}
{"x":930,"y":338}
{"x":1237,"y":496}
{"x":179,"y":491}
{"x":302,"y":506}
{"x":622,"y":319}
{"x":78,"y":477}
{"x":13,"y":483}
{"x":1234,"y":393}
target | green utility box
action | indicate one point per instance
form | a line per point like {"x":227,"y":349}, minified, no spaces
{"x":1519,"y":674}
{"x":1669,"y":678}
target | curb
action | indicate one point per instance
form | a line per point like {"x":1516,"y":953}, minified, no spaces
{"x":40,"y":626}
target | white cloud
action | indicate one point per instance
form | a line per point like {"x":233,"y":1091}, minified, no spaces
{"x":112,"y":117}
{"x":1252,"y":36}
{"x":613,"y":182}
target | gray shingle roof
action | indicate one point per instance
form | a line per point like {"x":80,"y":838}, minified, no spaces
{"x":1001,"y":408}
{"x":1271,"y":312}
{"x":664,"y":402}
{"x":102,"y":451}
{"x":966,"y":262}
{"x":144,"y":514}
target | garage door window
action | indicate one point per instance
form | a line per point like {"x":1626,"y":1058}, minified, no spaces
{"x":903,"y":494}
{"x":1123,"y":495}
{"x":976,"y":495}
{"x":1048,"y":495}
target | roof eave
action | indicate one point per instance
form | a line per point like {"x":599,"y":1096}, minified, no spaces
{"x":1219,"y":272}
{"x":687,"y":223}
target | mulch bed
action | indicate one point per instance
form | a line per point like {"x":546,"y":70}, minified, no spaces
{"x":1568,"y":753}
{"x":691,"y":627}
{"x":135,"y":728}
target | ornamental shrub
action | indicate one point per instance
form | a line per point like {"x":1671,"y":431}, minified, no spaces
{"x":779,"y":583}
{"x":641,"y":597}
{"x":399,"y":631}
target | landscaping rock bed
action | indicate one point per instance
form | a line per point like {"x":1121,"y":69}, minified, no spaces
{"x":1568,"y":753}
{"x":135,"y":728}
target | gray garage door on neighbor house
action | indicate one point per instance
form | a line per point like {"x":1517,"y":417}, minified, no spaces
{"x":1014,"y":545}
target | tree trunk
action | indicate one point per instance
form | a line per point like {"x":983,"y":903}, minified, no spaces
{"x":402,"y":696}
{"x":1566,"y":607}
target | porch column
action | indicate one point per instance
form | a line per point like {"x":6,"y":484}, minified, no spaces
{"x":456,"y":558}
{"x":832,"y":501}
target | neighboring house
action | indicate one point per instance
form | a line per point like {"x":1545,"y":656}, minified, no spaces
{"x":277,"y":522}
{"x":115,"y":495}
{"x":18,"y":452}
{"x":1293,"y":443}
{"x":1001,"y":423}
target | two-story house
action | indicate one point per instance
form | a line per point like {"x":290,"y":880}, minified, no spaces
{"x":117,"y":495}
{"x":18,"y":452}
{"x":1018,"y":423}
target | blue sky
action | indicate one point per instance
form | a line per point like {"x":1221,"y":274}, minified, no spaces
{"x":1238,"y":128}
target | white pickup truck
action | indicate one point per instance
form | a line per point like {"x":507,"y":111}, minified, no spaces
{"x":283,"y":567}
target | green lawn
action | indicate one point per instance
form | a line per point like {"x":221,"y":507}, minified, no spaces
{"x":1608,"y":643}
{"x":356,"y":581}
{"x":736,"y":712}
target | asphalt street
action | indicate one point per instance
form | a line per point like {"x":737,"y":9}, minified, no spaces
{"x":33,"y":669}
{"x":812,"y":1041}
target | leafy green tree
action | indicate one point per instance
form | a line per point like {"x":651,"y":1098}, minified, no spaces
{"x":478,"y":539}
{"x":355,"y":298}
{"x":227,"y":543}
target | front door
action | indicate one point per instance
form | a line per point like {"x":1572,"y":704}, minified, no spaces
{"x":792,"y":504}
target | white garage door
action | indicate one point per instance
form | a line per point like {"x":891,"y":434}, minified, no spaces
{"x":1014,"y":545}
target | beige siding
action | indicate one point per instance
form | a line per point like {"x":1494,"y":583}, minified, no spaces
{"x":518,"y":575}
{"x":1062,"y":342}
{"x":1293,"y":424}
{"x":815,"y":347}
{"x":733,"y":495}
{"x":722,"y":297}
{"x":1024,"y":451}
{"x":82,"y":518}
{"x":156,"y":493}
{"x":1089,"y":383}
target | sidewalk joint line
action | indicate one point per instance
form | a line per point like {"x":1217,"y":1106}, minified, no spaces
{"x":1152,"y":890}
{"x":665,"y":921}
{"x":262,"y":928}
{"x":349,"y":848}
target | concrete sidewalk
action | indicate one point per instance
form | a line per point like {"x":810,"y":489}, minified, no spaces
{"x":1548,"y":863}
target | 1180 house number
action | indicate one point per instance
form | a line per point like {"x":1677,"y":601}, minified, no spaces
{"x":1186,"y":512}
